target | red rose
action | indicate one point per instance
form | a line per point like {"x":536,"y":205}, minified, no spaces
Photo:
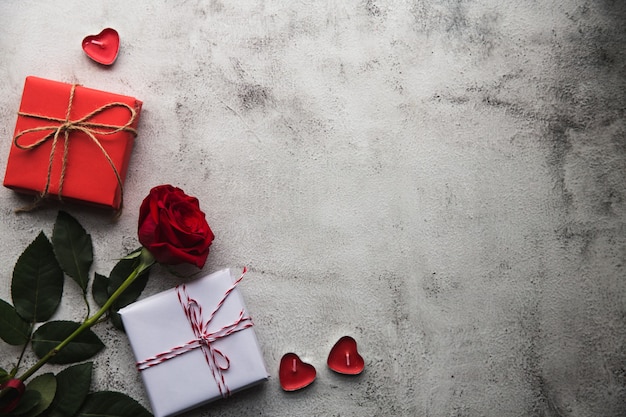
{"x":13,"y":396}
{"x":173,"y":228}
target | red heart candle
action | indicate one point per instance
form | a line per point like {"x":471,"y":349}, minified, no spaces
{"x":295,"y":374}
{"x":103,"y":47}
{"x":344,"y":357}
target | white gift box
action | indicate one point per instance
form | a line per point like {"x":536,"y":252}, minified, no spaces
{"x":185,"y":364}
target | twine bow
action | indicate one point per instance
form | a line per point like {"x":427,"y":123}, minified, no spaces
{"x":66,"y":126}
{"x":203,"y":339}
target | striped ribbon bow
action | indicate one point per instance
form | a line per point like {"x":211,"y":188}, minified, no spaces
{"x":218,"y":362}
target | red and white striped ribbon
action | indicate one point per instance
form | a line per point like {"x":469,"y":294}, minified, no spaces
{"x":218,"y":362}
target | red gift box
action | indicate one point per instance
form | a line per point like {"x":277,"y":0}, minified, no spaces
{"x":72,"y":142}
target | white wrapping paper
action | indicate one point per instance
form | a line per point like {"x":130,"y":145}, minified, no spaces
{"x":158,"y":324}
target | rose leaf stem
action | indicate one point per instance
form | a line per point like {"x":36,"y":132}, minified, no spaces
{"x":147,"y":260}
{"x":19,"y":360}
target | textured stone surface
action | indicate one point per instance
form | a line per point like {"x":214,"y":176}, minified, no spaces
{"x":442,"y":180}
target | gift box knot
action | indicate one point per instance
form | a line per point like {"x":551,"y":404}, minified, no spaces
{"x":64,"y":127}
{"x":217,"y":361}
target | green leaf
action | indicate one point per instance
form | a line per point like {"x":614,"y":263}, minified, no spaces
{"x":111,"y":404}
{"x":103,"y":287}
{"x":119,"y":273}
{"x":134,"y":254}
{"x":30,"y":399}
{"x":116,"y":320}
{"x":73,"y":248}
{"x":13,"y":329}
{"x":50,"y":334}
{"x":73,"y":385}
{"x":99,"y":289}
{"x":4,"y":376}
{"x":46,"y":385}
{"x":37,"y":284}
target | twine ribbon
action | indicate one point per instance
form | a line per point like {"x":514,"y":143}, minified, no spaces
{"x":66,"y":126}
{"x":217,"y":361}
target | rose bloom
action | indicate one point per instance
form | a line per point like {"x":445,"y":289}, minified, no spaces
{"x":12,"y":400}
{"x":173,"y":228}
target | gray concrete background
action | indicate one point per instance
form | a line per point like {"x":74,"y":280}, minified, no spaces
{"x":442,"y":180}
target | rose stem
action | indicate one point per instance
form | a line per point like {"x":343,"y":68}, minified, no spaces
{"x":146,"y":261}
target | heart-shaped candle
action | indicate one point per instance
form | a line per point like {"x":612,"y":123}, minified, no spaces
{"x":295,"y":374}
{"x":344,"y":357}
{"x":103,"y":47}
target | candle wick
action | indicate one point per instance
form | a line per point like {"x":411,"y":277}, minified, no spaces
{"x":100,"y":44}
{"x":293,"y":366}
{"x":348,"y":359}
